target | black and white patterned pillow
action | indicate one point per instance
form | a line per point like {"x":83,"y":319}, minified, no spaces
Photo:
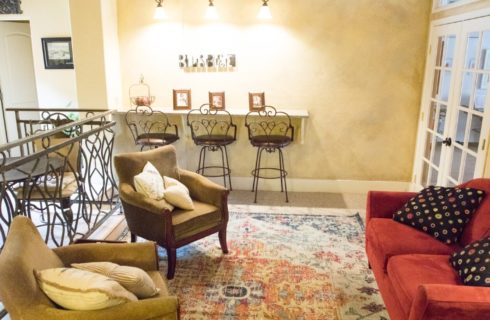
{"x":441,"y":212}
{"x":473,"y":263}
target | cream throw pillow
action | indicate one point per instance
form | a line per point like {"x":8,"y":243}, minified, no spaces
{"x":75,"y":289}
{"x":133,"y":279}
{"x":177,"y":194}
{"x":150,"y":183}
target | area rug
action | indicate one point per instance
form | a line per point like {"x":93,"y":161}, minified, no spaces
{"x":280,"y":266}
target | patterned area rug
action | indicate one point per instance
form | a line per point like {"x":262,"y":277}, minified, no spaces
{"x":280,"y":266}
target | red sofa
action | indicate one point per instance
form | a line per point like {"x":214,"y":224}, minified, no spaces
{"x":412,"y":268}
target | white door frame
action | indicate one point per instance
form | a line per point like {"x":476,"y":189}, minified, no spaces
{"x":448,"y":23}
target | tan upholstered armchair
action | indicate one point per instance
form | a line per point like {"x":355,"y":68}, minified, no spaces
{"x":24,"y":251}
{"x":148,"y":218}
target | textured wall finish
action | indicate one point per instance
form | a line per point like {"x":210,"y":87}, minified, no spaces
{"x":356,"y":65}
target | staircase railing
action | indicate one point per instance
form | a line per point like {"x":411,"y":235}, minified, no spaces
{"x":59,"y":173}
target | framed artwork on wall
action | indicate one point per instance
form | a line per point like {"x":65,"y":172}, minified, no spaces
{"x":256,"y":101}
{"x":217,"y":100}
{"x":182,"y":99}
{"x":57,"y":53}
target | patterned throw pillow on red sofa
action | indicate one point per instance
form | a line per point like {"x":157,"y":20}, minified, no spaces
{"x":473,"y":263}
{"x":441,"y":212}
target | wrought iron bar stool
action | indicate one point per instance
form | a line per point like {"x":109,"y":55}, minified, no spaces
{"x":151,"y":128}
{"x":212,"y":129}
{"x":269,"y":130}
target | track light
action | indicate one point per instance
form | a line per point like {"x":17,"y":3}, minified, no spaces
{"x":211,"y":12}
{"x":265,"y":11}
{"x":159,"y":12}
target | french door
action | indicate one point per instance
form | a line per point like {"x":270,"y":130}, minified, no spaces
{"x":454,"y":127}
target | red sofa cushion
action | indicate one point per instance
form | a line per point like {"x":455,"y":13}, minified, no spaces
{"x":479,"y":225}
{"x":387,"y":238}
{"x":408,"y":272}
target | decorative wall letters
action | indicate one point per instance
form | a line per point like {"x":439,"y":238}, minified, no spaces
{"x":207,"y":62}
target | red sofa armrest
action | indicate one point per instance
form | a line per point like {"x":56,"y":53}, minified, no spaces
{"x":383,"y":204}
{"x":444,"y":301}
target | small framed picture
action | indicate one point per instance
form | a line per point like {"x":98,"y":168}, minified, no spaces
{"x":182,"y":99}
{"x":217,"y":100}
{"x":57,"y":53}
{"x":256,"y":101}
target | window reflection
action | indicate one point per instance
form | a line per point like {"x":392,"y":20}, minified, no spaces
{"x":466,"y":89}
{"x":443,"y":3}
{"x":471,"y":50}
{"x":461,"y":127}
{"x":475,"y":129}
{"x":485,"y":51}
{"x":481,"y":92}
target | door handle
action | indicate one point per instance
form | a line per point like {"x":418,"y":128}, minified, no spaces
{"x":448,"y":141}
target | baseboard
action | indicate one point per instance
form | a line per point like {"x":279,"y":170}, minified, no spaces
{"x":317,"y":185}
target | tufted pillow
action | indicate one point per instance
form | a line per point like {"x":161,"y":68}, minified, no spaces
{"x":133,"y":279}
{"x":75,"y":289}
{"x":177,"y":194}
{"x":441,"y":212}
{"x":473,"y":263}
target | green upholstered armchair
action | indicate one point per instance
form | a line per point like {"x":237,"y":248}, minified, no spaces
{"x":24,"y":251}
{"x":148,"y":218}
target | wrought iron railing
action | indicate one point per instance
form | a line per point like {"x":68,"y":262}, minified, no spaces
{"x":59,"y":173}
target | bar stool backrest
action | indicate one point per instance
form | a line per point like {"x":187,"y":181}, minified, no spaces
{"x":269,"y":123}
{"x":207,"y":122}
{"x":144,"y":120}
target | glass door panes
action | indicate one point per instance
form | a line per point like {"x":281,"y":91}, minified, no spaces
{"x":469,"y":112}
{"x":436,"y":125}
{"x":444,"y":3}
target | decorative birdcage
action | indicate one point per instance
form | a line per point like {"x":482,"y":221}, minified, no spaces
{"x":140,"y":95}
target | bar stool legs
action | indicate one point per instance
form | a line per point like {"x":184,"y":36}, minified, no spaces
{"x":225,"y":167}
{"x":256,"y":173}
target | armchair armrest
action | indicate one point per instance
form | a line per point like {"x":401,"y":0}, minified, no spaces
{"x":156,"y":308}
{"x":141,"y":255}
{"x":203,"y":189}
{"x":382,"y":204}
{"x":443,"y":301}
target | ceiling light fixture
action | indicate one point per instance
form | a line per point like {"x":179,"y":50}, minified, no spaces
{"x":265,"y":11}
{"x":159,"y":12}
{"x":211,"y":12}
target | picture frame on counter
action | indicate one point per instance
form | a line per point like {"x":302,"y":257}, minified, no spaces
{"x":182,"y":99}
{"x":256,"y":101}
{"x":217,"y":100}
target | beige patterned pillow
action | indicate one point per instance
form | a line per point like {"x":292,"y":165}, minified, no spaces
{"x":133,"y":279}
{"x":177,"y":194}
{"x":150,"y":183}
{"x":75,"y":289}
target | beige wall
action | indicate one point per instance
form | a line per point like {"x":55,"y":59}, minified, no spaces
{"x":356,"y":65}
{"x":111,"y":53}
{"x":88,"y":51}
{"x":49,"y":18}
